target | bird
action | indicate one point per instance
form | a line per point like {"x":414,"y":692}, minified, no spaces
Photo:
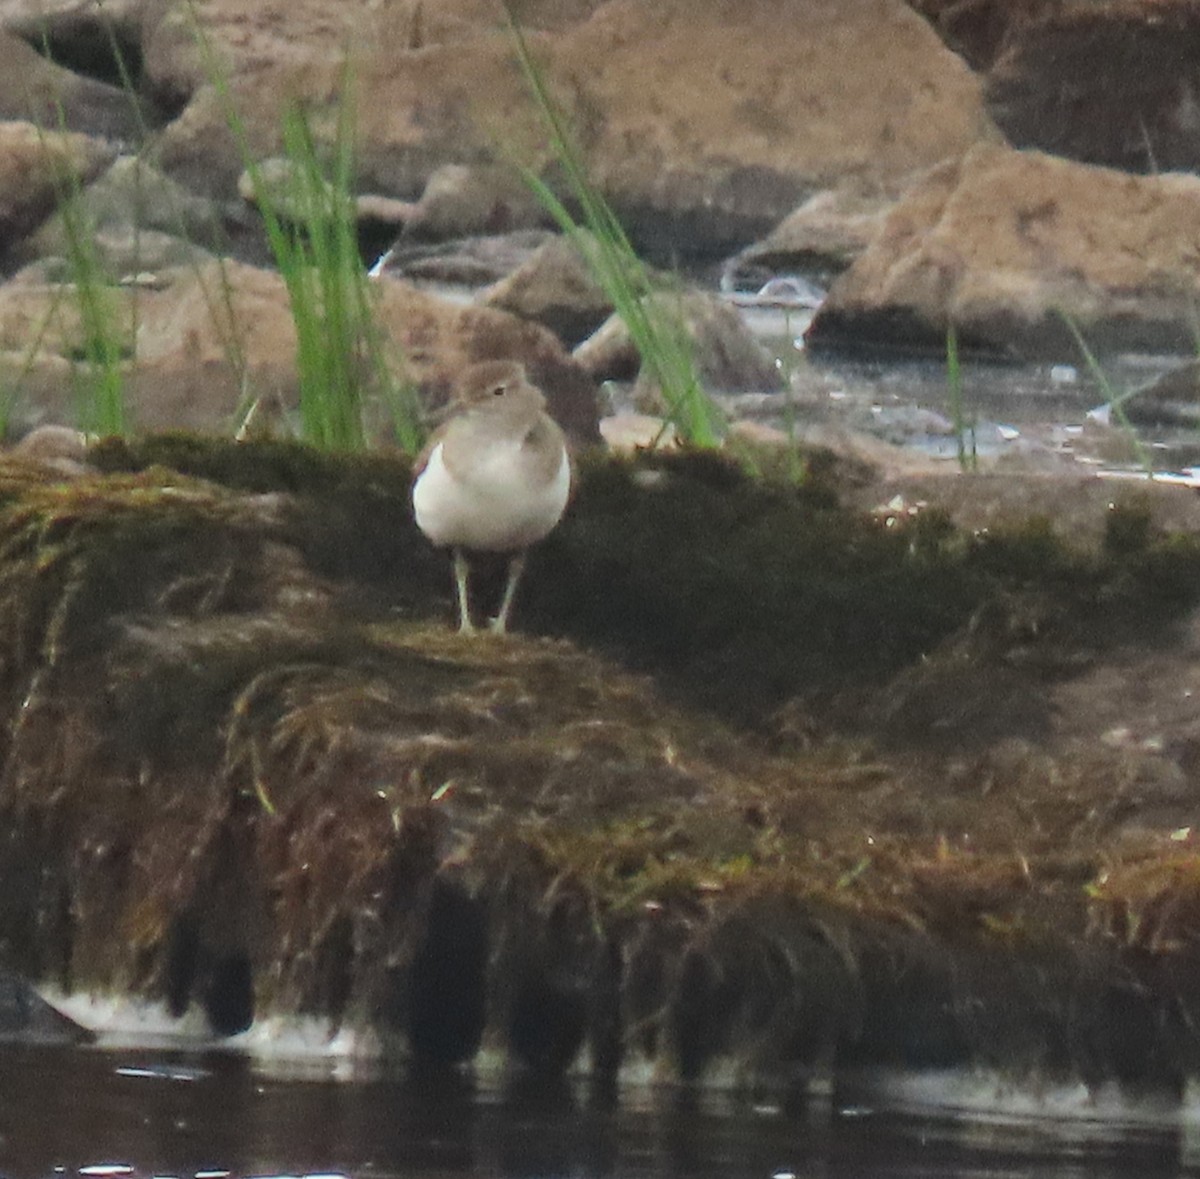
{"x":494,"y":477}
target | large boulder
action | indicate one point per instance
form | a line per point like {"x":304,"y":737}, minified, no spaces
{"x":68,"y":22}
{"x":249,"y":773}
{"x":694,"y":157}
{"x":1008,"y":246}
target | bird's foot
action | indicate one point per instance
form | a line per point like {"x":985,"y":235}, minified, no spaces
{"x":498,"y":625}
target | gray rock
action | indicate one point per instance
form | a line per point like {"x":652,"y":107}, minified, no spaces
{"x":139,"y":219}
{"x":727,"y":355}
{"x":35,"y":88}
{"x":554,"y":287}
{"x":27,"y":1017}
{"x":38,"y":169}
{"x":824,"y":235}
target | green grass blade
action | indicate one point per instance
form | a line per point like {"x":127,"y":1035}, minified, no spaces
{"x":658,"y":330}
{"x":342,"y":354}
{"x":1113,"y":398}
{"x":964,"y":424}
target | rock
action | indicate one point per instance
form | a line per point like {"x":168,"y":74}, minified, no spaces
{"x":26,"y":1017}
{"x":1170,"y":400}
{"x":185,"y":376}
{"x":727,"y":356}
{"x":824,"y":235}
{"x":554,"y":287}
{"x":142,"y":256}
{"x":1003,"y":243}
{"x":281,"y":178}
{"x":759,"y":434}
{"x":140,"y":221}
{"x":40,"y":319}
{"x":54,"y":97}
{"x":718,"y":157}
{"x":265,"y":35}
{"x":721,"y":155}
{"x":57,"y":447}
{"x":627,"y":432}
{"x":124,"y":257}
{"x":80,"y":32}
{"x":382,"y":214}
{"x":316,"y":799}
{"x":29,"y":18}
{"x":38,"y":168}
{"x":378,"y":219}
{"x":462,"y":201}
{"x":222,"y":332}
{"x":1078,"y":81}
{"x":861,"y":453}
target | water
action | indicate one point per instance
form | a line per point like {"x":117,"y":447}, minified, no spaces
{"x":71,"y":1111}
{"x":1029,"y":413}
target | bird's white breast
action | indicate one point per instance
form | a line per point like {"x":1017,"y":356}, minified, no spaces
{"x":497,"y":506}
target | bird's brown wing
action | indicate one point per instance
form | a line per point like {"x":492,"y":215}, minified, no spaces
{"x":422,"y":459}
{"x":547,"y":428}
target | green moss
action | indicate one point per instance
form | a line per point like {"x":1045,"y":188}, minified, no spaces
{"x":255,"y":465}
{"x":743,"y":592}
{"x":746,"y":591}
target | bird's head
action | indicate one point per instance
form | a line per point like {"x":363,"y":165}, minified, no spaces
{"x":496,"y":386}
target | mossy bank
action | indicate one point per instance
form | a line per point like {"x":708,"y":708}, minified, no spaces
{"x":768,"y":788}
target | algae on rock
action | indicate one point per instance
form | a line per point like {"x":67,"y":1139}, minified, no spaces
{"x":247,"y":765}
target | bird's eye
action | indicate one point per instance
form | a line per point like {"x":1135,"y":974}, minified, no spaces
{"x":499,"y":391}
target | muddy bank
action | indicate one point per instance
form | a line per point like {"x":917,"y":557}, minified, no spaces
{"x":769,"y":788}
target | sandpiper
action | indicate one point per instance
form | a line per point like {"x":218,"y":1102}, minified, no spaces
{"x":493,"y":478}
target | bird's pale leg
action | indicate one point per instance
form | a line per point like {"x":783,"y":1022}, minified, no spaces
{"x":461,"y":572}
{"x":516,"y":566}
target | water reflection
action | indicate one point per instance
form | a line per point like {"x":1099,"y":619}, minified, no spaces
{"x":93,"y":1113}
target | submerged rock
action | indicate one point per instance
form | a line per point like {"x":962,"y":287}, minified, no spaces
{"x":26,"y":1016}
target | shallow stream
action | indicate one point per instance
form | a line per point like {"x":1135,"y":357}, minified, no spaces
{"x":1028,"y":415}
{"x":208,"y":1115}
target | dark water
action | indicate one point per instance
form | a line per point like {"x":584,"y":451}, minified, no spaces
{"x":87,"y":1112}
